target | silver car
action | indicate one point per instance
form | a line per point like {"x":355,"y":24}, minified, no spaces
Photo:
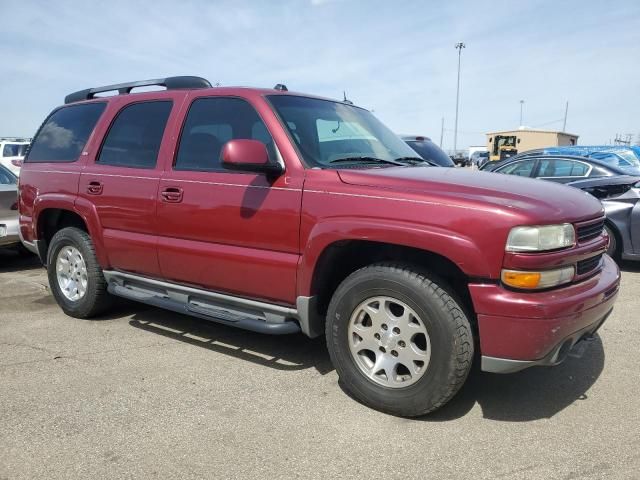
{"x":8,"y":209}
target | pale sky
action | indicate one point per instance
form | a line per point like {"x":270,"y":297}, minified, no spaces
{"x":397,"y":58}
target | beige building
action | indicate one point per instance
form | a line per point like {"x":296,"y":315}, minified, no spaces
{"x":511,"y":142}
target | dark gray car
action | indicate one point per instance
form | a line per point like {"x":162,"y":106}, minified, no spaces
{"x":428,"y":150}
{"x":8,"y":209}
{"x":620,"y":197}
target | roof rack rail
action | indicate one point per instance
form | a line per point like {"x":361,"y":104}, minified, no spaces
{"x":171,"y":83}
{"x":15,"y":139}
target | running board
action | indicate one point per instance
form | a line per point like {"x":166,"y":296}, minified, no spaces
{"x":239,"y":312}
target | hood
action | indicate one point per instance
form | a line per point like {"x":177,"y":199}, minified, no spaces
{"x":539,"y":200}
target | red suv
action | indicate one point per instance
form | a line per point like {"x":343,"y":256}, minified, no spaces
{"x":281,"y":213}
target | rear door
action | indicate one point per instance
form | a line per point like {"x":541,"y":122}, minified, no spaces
{"x":228,"y":231}
{"x":121,"y":183}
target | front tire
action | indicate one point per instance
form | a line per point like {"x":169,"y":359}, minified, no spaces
{"x":75,"y":277}
{"x":612,"y":248}
{"x":399,"y":339}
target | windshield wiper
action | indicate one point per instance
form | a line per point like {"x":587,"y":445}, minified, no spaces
{"x":365,"y":159}
{"x":413,"y":159}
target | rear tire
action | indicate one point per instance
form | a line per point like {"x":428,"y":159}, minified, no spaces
{"x":411,"y":367}
{"x":75,"y":277}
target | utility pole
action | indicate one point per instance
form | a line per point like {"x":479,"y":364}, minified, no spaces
{"x":521,"y":104}
{"x":459,"y":47}
{"x":566,"y":110}
{"x":441,"y":132}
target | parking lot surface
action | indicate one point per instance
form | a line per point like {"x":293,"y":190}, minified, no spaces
{"x":144,"y":393}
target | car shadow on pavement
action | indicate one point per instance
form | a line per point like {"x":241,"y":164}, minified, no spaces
{"x":532,"y":394}
{"x":282,"y":352}
{"x":12,"y":261}
{"x":629,"y":266}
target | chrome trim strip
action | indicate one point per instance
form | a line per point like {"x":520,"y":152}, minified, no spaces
{"x":75,"y":172}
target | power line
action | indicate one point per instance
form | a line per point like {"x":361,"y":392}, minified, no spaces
{"x":466,"y":132}
{"x":548,"y":123}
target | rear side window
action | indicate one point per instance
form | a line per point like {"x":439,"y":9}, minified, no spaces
{"x":135,"y":135}
{"x":562,"y":168}
{"x":212,"y":122}
{"x":64,"y":134}
{"x":14,"y":149}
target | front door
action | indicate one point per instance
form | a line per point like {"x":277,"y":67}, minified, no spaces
{"x":227,"y":231}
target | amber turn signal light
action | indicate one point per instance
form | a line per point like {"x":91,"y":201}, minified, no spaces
{"x":537,"y":280}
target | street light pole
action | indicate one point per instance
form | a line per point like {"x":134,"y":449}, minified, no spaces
{"x":521,"y":104}
{"x":459,"y":47}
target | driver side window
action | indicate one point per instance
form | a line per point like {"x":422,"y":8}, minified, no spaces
{"x":212,"y":122}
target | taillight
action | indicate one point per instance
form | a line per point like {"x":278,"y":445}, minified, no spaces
{"x":16,"y":162}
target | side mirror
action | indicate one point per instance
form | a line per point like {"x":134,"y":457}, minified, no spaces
{"x":246,"y":155}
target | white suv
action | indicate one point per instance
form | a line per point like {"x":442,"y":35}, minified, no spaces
{"x":12,"y":152}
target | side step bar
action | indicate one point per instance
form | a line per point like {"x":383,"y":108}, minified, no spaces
{"x":239,"y":312}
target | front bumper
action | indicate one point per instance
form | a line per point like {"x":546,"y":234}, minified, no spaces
{"x":523,"y":329}
{"x":9,"y":232}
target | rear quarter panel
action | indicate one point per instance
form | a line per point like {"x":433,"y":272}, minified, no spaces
{"x":42,"y":186}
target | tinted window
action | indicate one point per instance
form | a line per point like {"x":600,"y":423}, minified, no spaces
{"x":562,"y":168}
{"x":522,"y":169}
{"x":135,"y":135}
{"x":65,"y":133}
{"x":430,"y":151}
{"x":14,"y":149}
{"x":6,"y":177}
{"x":212,"y":122}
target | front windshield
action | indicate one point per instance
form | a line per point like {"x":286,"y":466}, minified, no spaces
{"x":6,"y":177}
{"x":326,"y":131}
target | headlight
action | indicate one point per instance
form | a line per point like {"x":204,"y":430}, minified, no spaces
{"x":540,"y":238}
{"x":537,"y":280}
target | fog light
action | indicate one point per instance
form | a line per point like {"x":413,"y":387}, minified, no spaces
{"x":3,"y":230}
{"x":537,"y":280}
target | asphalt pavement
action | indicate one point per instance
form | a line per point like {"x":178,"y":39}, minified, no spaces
{"x":144,"y":393}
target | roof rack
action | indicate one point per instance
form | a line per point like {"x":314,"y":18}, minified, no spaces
{"x":171,"y":83}
{"x":15,"y":139}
